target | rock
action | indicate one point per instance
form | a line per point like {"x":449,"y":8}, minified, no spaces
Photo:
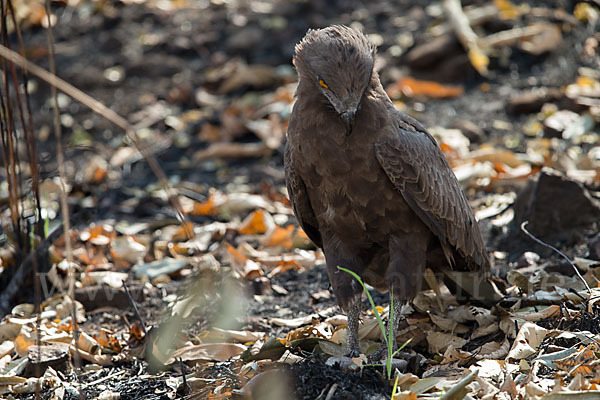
{"x":594,"y":247}
{"x":528,"y":259}
{"x":93,"y":297}
{"x":42,"y":357}
{"x":556,"y":207}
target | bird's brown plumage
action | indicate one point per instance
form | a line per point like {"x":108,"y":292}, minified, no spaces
{"x":368,"y":183}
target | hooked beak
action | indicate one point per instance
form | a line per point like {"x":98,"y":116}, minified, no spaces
{"x":348,"y":118}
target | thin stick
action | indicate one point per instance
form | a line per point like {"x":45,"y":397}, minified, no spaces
{"x":135,"y":309}
{"x":65,"y":87}
{"x":467,"y":37}
{"x":63,"y":191}
{"x":331,"y":392}
{"x":105,"y":112}
{"x":510,"y":36}
{"x":524,"y":224}
{"x":186,"y":387}
{"x":107,"y":377}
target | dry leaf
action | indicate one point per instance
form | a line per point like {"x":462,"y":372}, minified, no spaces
{"x":508,"y":10}
{"x":258,"y":222}
{"x":110,"y":278}
{"x":103,"y":359}
{"x":280,"y":237}
{"x":240,"y":336}
{"x":294,"y":322}
{"x":22,"y":343}
{"x":209,"y":207}
{"x":369,"y":330}
{"x":6,"y":348}
{"x":439,"y":341}
{"x":453,"y":354}
{"x":412,"y":87}
{"x":528,"y":339}
{"x":241,"y":265}
{"x":206,"y":352}
{"x":88,"y":343}
{"x":303,"y":333}
{"x":405,"y":396}
{"x":285,"y":265}
{"x":233,"y":150}
{"x":137,"y":331}
{"x":185,"y":232}
{"x":128,"y":249}
{"x":107,"y":340}
{"x":581,"y":362}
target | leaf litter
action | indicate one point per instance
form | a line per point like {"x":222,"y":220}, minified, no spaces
{"x":243,"y":306}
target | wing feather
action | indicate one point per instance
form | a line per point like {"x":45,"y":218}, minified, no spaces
{"x":417,"y":167}
{"x":300,"y":200}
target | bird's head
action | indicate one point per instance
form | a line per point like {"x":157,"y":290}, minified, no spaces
{"x":338,"y":61}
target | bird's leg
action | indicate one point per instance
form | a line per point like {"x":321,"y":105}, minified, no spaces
{"x":353,"y":315}
{"x":394,"y":318}
{"x":397,"y":317}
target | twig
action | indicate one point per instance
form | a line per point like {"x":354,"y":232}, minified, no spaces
{"x":524,"y":224}
{"x":105,"y":112}
{"x":63,"y":192}
{"x":467,"y":37}
{"x":65,"y":87}
{"x":331,"y":391}
{"x":135,"y":309}
{"x":232,"y":150}
{"x":186,"y":387}
{"x":510,"y":36}
{"x":107,"y":377}
{"x":476,"y":16}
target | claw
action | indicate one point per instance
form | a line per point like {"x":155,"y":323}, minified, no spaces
{"x":353,"y":353}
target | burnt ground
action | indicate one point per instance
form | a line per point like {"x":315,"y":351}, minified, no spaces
{"x":164,"y":56}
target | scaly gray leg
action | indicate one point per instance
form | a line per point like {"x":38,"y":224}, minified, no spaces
{"x":397,"y":318}
{"x":353,"y":315}
{"x":381,"y":352}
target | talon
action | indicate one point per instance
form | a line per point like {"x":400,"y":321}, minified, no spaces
{"x":353,"y":353}
{"x":342,"y":362}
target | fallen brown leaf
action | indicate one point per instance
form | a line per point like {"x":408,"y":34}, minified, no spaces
{"x":206,"y":352}
{"x":412,"y":87}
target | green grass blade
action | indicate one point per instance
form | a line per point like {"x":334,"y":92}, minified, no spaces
{"x":377,"y":316}
{"x":395,"y":387}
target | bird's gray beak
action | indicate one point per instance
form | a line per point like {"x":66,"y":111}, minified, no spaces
{"x":348,"y":118}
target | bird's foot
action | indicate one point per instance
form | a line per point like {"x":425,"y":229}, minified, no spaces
{"x":343,"y":362}
{"x":380,"y":358}
{"x":378,"y":355}
{"x":346,"y":361}
{"x":401,"y":360}
{"x":352,"y":353}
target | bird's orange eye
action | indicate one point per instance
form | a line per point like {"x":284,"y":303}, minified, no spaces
{"x":323,"y":84}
